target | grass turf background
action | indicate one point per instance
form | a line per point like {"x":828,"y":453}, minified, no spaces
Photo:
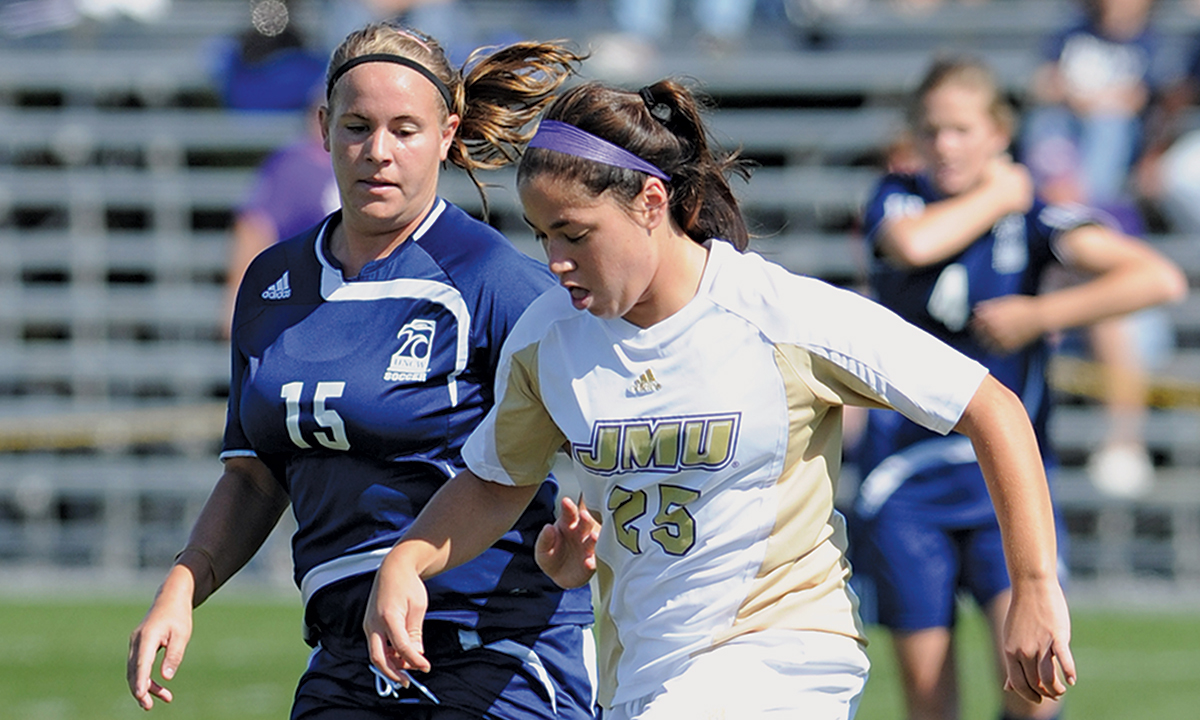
{"x":65,"y":658}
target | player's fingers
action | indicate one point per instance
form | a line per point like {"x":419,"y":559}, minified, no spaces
{"x":570,"y":513}
{"x":546,"y":544}
{"x":1066,"y":661}
{"x":380,"y":658}
{"x":1019,"y":680}
{"x":160,"y":692}
{"x":1049,"y":683}
{"x":176,"y":645}
{"x":412,"y":646}
{"x":142,"y":652}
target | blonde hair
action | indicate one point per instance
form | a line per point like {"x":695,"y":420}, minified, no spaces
{"x":968,"y":72}
{"x":496,"y":94}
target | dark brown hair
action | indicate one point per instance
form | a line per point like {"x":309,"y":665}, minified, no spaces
{"x":496,"y":94}
{"x":661,"y":124}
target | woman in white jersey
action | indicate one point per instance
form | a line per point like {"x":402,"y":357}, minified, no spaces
{"x":699,"y":392}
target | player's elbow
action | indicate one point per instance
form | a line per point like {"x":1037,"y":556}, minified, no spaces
{"x":903,"y":247}
{"x":1173,"y":283}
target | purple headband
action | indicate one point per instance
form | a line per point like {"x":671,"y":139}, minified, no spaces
{"x":570,"y":140}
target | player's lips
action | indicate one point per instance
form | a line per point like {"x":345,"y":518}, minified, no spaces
{"x":579,"y":296}
{"x":377,"y":184}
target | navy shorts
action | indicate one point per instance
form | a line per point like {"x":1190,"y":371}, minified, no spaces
{"x":494,"y":673}
{"x":538,"y":674}
{"x":923,"y":530}
{"x":912,"y":571}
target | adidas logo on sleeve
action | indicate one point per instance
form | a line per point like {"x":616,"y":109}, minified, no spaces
{"x":281,"y":289}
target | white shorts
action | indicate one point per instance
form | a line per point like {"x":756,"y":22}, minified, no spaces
{"x":773,"y":673}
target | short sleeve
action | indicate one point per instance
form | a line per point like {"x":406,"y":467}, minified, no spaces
{"x":894,"y":196}
{"x":518,"y":439}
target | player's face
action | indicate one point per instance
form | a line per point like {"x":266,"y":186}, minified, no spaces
{"x":384,"y":133}
{"x":599,"y":250}
{"x":958,"y":136}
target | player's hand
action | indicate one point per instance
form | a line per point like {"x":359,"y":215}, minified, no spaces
{"x":1037,"y":642}
{"x":1012,"y":183}
{"x":566,"y":550}
{"x":394,"y":618}
{"x":168,"y":624}
{"x":1007,"y":324}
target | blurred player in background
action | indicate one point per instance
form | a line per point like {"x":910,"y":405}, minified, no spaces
{"x":961,"y":250}
{"x":700,"y":393}
{"x":364,"y":352}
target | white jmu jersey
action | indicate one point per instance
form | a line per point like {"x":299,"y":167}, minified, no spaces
{"x":711,"y":443}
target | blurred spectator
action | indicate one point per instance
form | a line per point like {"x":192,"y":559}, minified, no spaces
{"x":1088,"y":97}
{"x":269,"y":67}
{"x":443,"y":19}
{"x":21,"y":18}
{"x":644,"y":26}
{"x":1080,"y":139}
{"x":261,"y":71}
{"x":1169,"y":170}
{"x":293,"y":190}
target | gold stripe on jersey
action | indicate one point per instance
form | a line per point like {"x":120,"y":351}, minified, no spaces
{"x":608,"y":642}
{"x":809,"y":591}
{"x":526,"y":436}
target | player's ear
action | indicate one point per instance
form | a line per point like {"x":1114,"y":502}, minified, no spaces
{"x":323,"y":121}
{"x":653,"y":203}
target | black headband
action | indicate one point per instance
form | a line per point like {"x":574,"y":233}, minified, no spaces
{"x":399,"y":60}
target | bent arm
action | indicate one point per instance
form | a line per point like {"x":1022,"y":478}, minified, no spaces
{"x":947,"y":227}
{"x":1038,"y":629}
{"x":463,"y":518}
{"x":1128,"y":275}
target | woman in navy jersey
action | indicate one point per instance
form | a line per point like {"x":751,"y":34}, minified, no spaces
{"x":700,"y":392}
{"x":962,"y":250}
{"x":364,"y":352}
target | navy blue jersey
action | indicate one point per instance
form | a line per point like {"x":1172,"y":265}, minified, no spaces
{"x":359,"y":393}
{"x":1010,"y":259}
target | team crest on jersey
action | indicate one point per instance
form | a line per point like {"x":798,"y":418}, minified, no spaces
{"x":1009,"y":251}
{"x":411,"y":362}
{"x":667,"y":445}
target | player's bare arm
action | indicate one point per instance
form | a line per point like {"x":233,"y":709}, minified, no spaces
{"x":1128,"y":275}
{"x":244,"y":506}
{"x":1038,"y":629}
{"x":947,"y":227}
{"x":464,"y":518}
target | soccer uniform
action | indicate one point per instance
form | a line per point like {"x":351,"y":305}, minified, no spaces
{"x":358,"y":395}
{"x":923,"y":524}
{"x":711,"y":444}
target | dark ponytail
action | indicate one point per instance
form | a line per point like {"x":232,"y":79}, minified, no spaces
{"x":661,"y":124}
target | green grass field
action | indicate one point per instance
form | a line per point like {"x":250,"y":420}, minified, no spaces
{"x":66,"y":659}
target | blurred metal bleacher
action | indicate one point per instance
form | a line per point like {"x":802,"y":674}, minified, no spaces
{"x":119,"y":176}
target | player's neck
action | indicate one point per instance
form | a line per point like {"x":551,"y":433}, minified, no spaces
{"x":358,"y":241}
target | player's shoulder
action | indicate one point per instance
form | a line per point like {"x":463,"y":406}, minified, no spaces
{"x":288,"y":269}
{"x":471,"y":252}
{"x":782,"y":304}
{"x":548,"y":312}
